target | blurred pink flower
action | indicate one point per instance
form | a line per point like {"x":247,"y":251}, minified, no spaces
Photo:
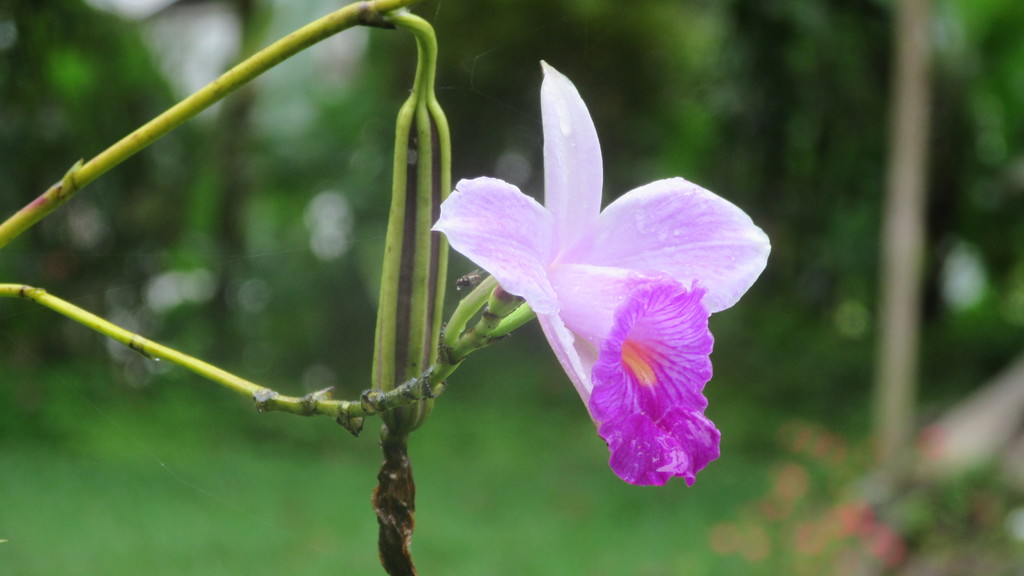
{"x":623,"y":295}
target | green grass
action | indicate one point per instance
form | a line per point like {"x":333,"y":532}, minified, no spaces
{"x":511,"y":480}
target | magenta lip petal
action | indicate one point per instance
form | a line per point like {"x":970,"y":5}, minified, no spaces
{"x":649,"y":453}
{"x":656,"y":430}
{"x":671,"y":324}
{"x":698,"y":436}
{"x":640,"y":450}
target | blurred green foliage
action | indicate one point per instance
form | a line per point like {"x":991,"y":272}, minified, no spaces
{"x":780,"y":107}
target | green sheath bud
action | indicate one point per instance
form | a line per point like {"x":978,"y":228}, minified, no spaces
{"x":415,"y":258}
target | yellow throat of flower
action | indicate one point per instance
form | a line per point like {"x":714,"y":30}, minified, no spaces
{"x":637,"y":360}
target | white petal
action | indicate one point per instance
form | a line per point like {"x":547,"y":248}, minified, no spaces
{"x":572,"y":159}
{"x":576,"y":355}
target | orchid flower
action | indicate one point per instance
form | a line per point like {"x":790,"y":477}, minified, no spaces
{"x":623,"y":295}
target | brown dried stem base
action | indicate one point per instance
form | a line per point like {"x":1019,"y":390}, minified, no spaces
{"x":394,"y":501}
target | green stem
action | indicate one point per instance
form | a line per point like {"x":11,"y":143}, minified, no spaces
{"x":143,"y":346}
{"x":480,"y":336}
{"x":517,"y":318}
{"x":266,"y":399}
{"x":467,"y":308}
{"x":369,"y":13}
{"x":349,"y":414}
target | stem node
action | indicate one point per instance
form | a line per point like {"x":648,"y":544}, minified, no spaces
{"x":370,"y":16}
{"x":353,"y":424}
{"x":68,"y":185}
{"x":262,"y":397}
{"x":310,"y":401}
{"x":138,"y":344}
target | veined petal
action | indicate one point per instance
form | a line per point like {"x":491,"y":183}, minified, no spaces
{"x":590,"y":295}
{"x":678,"y":228}
{"x":699,"y":439}
{"x":576,"y":355}
{"x":647,"y":453}
{"x":504,"y":232}
{"x":648,"y":381}
{"x":656,"y":355}
{"x":573,"y":172}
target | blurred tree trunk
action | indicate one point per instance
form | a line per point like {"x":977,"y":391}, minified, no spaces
{"x":903,"y":237}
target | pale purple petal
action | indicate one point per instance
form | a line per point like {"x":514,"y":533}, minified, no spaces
{"x":572,"y":159}
{"x":576,"y":355}
{"x":589,"y":295}
{"x":676,"y":227}
{"x":506,"y":233}
{"x":648,"y":382}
